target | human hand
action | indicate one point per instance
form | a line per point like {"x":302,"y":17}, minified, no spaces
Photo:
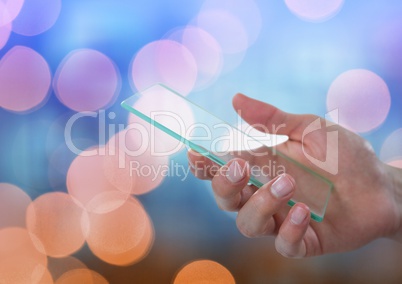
{"x":365,"y":204}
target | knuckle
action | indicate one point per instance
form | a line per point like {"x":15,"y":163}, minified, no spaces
{"x":259,"y":203}
{"x":231,"y":204}
{"x":244,"y":229}
{"x":287,"y":249}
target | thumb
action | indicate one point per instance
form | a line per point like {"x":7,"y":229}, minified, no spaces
{"x":269,"y":119}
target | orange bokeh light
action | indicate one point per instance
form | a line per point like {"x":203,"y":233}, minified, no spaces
{"x":94,"y":178}
{"x":46,"y":277}
{"x":204,"y":271}
{"x":86,"y":276}
{"x":58,"y":266}
{"x":55,"y":219}
{"x":123,"y":236}
{"x":141,"y":164}
{"x":13,"y":205}
{"x":20,"y":261}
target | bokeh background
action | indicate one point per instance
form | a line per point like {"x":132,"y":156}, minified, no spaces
{"x":75,"y":216}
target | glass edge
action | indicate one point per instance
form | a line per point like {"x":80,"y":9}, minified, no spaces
{"x":216,"y":159}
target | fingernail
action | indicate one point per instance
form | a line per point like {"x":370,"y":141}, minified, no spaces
{"x":281,"y":187}
{"x":299,"y":214}
{"x":236,"y":172}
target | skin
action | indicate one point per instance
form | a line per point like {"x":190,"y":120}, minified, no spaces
{"x":366,"y":202}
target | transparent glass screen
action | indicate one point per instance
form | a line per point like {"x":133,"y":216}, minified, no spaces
{"x":212,"y":137}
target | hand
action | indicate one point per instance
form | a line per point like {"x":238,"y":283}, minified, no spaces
{"x":365,"y":204}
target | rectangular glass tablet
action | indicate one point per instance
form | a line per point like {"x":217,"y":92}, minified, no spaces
{"x":219,"y":141}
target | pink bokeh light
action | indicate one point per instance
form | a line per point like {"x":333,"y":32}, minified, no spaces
{"x":362,"y":99}
{"x":4,"y":34}
{"x":226,"y":28}
{"x":391,"y":149}
{"x":164,"y":61}
{"x":9,"y":9}
{"x":314,"y":10}
{"x":87,"y":80}
{"x":247,"y":11}
{"x":36,"y":17}
{"x":206,"y":51}
{"x":396,"y":163}
{"x":24,"y":79}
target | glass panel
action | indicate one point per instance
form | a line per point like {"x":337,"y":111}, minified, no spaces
{"x":221,"y":142}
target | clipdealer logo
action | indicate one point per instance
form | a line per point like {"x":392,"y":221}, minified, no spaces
{"x":331,"y":163}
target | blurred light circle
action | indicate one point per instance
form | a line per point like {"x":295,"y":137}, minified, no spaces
{"x":9,"y":9}
{"x":13,"y":205}
{"x":96,"y":181}
{"x":43,"y":275}
{"x":123,"y":236}
{"x":204,"y":271}
{"x":164,"y":61}
{"x":55,"y":220}
{"x":391,"y":149}
{"x":362,"y":99}
{"x":58,"y":266}
{"x":386,"y":41}
{"x":36,"y":17}
{"x":20,"y":261}
{"x":60,"y":160}
{"x":314,"y":10}
{"x":87,"y":80}
{"x":4,"y":34}
{"x":226,"y":28}
{"x":206,"y":51}
{"x":24,"y":79}
{"x":246,"y":11}
{"x":86,"y":276}
{"x":141,"y":162}
{"x":166,"y":108}
{"x":396,"y":163}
